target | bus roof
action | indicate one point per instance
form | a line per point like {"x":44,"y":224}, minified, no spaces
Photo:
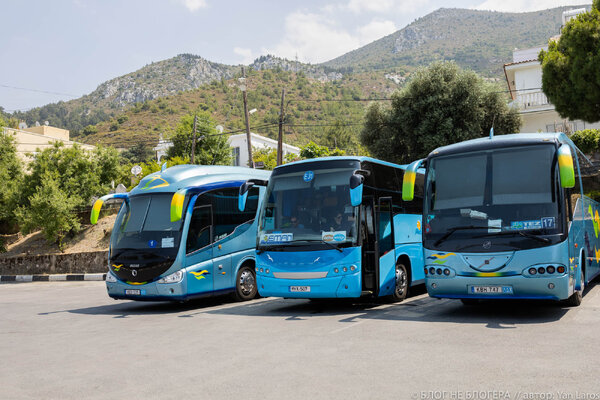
{"x":180,"y":176}
{"x":350,"y":158}
{"x":500,"y":141}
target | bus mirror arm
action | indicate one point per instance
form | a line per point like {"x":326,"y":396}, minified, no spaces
{"x":245,"y":188}
{"x":95,"y":214}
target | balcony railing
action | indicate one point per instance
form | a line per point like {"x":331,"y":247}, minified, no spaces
{"x":532,"y":100}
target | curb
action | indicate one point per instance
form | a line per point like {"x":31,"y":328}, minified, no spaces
{"x":52,"y":278}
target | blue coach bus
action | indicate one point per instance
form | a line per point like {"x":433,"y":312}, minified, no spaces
{"x":338,"y":227}
{"x":157,"y":256}
{"x":505,"y":217}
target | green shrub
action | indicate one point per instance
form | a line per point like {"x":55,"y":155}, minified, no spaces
{"x":588,"y":140}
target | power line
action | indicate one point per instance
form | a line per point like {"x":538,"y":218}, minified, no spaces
{"x":39,"y":91}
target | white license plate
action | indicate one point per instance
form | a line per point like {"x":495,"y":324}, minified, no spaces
{"x":491,"y":290}
{"x":299,"y":288}
{"x":133,"y":291}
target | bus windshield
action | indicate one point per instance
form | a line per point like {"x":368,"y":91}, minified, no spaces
{"x":494,"y":200}
{"x":143,"y":224}
{"x":309,"y":207}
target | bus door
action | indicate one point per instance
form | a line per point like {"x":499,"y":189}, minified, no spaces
{"x":385,"y":247}
{"x":369,"y":245}
{"x":199,"y":250}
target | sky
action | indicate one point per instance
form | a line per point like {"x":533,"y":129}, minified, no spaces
{"x":62,"y":49}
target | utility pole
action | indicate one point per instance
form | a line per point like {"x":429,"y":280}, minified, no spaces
{"x":194,"y":140}
{"x":280,"y":138}
{"x":248,"y":138}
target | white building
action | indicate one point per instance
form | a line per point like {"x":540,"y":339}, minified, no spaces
{"x":524,"y":78}
{"x":239,"y":147}
{"x":39,"y":137}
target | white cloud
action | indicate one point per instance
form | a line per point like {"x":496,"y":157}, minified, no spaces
{"x":375,"y":30}
{"x":245,"y":53}
{"x":313,"y":38}
{"x":359,"y":6}
{"x":385,"y":6}
{"x":194,"y":5}
{"x":526,"y":5}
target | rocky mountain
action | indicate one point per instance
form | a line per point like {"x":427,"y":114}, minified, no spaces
{"x":479,"y":40}
{"x":475,"y":39}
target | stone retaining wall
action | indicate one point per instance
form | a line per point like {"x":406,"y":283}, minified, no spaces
{"x":76,"y":263}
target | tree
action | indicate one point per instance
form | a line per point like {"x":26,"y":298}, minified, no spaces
{"x":137,"y":153}
{"x":588,"y":140}
{"x":266,"y":155}
{"x":50,"y":209}
{"x":340,"y":136}
{"x":11,"y":173}
{"x":313,"y":150}
{"x":442,"y":104}
{"x":63,"y":180}
{"x":211,"y":148}
{"x":570,"y":68}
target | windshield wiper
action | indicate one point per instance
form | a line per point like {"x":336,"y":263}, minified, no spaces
{"x":524,"y":234}
{"x":536,"y":237}
{"x":457,"y":228}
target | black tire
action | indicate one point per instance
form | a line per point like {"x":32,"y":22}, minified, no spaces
{"x":577,"y":296}
{"x":245,"y":284}
{"x":401,"y":285}
{"x":470,"y":302}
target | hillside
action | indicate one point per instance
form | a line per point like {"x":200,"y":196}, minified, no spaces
{"x":311,"y":106}
{"x":479,"y":40}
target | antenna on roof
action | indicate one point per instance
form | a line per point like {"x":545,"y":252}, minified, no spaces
{"x":492,"y":128}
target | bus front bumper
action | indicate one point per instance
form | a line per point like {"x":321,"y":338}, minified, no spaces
{"x":147,"y":292}
{"x":514,"y":287}
{"x":348,"y":285}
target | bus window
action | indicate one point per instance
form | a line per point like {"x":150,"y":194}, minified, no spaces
{"x":227,"y":216}
{"x":199,"y":233}
{"x":385,"y":228}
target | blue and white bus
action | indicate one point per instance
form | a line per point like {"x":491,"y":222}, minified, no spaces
{"x":338,"y":227}
{"x":210,"y":251}
{"x":505,"y":218}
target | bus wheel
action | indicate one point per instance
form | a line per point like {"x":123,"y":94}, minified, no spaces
{"x":401,"y":289}
{"x":245,"y":284}
{"x":577,"y":296}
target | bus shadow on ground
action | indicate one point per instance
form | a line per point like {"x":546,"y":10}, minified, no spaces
{"x":125,"y":308}
{"x":494,"y":314}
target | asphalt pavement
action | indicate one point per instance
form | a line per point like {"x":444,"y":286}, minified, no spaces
{"x":68,"y":340}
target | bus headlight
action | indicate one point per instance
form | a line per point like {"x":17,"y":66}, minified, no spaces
{"x":175,"y":277}
{"x":110,"y":278}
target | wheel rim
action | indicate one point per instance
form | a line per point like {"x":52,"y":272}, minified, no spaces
{"x":247,"y":282}
{"x":400,"y":282}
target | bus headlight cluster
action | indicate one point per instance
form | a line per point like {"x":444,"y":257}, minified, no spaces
{"x":110,"y":278}
{"x":544,"y":270}
{"x":438,"y":272}
{"x":175,"y":277}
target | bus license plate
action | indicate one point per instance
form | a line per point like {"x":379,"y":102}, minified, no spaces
{"x":136,"y":292}
{"x":299,"y":288}
{"x":491,"y":290}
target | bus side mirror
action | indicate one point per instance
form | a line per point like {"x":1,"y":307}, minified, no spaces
{"x":408,"y":181}
{"x":565,"y":165}
{"x":98,"y":205}
{"x":243,"y":196}
{"x":356,"y":189}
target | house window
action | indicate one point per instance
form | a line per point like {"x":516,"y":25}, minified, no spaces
{"x":235,"y":153}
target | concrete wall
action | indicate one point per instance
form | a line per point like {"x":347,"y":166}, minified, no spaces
{"x":30,"y":142}
{"x":50,"y":131}
{"x":76,"y":263}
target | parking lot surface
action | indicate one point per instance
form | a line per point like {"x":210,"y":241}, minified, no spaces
{"x":68,"y":340}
